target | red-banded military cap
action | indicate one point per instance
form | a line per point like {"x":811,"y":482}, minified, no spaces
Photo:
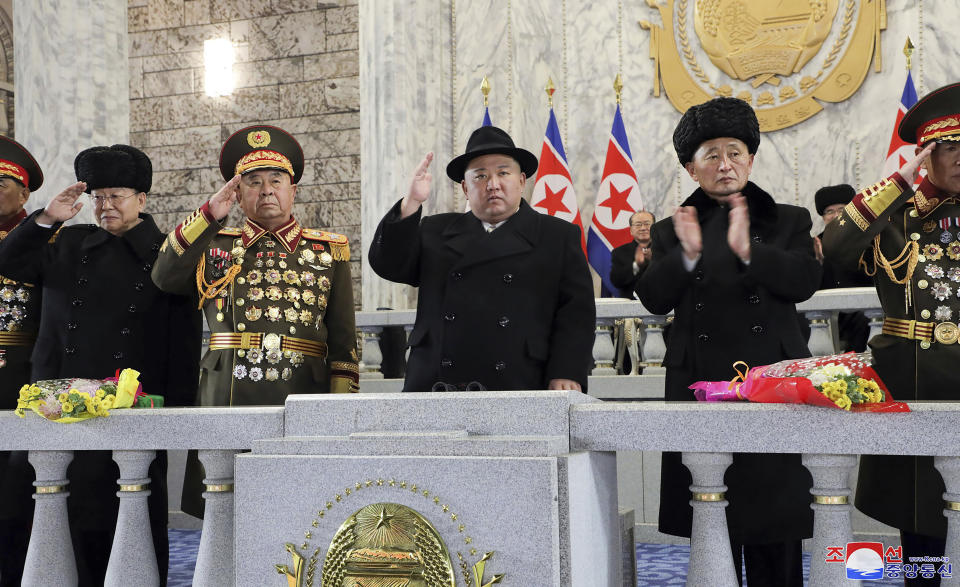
{"x":17,"y":162}
{"x":935,"y":117}
{"x":261,"y":147}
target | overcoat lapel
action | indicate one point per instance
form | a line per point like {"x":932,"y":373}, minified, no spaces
{"x":516,"y":236}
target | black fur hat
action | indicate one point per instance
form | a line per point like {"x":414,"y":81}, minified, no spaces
{"x":720,"y":117}
{"x":117,"y":166}
{"x":833,"y":194}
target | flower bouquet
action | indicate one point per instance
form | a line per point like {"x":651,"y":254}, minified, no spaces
{"x":844,"y":381}
{"x":74,"y":400}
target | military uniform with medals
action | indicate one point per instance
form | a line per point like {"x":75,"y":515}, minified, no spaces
{"x":279,"y":303}
{"x":909,"y":241}
{"x":19,"y":321}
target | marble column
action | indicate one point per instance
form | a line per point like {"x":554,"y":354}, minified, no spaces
{"x":711,"y":561}
{"x":72,"y":88}
{"x":831,"y":511}
{"x":215,"y":556}
{"x":50,"y":558}
{"x":133,"y":560}
{"x":949,"y":468}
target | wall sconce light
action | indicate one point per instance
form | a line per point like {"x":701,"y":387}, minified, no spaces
{"x":218,"y":63}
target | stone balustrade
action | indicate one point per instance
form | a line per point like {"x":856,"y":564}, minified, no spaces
{"x":829,"y":441}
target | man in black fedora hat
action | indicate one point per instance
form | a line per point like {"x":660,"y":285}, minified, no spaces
{"x":731,"y":264}
{"x":506,"y":298}
{"x":917,"y":352}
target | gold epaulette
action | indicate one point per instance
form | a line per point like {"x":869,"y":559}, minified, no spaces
{"x":339,"y":244}
{"x":230,"y":231}
{"x":871,"y":202}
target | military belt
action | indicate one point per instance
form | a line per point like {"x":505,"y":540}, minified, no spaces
{"x":267,"y":341}
{"x":925,"y":332}
{"x":17,"y":338}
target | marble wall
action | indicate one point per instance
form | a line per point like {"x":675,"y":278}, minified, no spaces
{"x":422,"y":62}
{"x":296,"y":68}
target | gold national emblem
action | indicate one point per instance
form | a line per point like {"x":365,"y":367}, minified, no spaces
{"x":258,"y":139}
{"x":773,"y":55}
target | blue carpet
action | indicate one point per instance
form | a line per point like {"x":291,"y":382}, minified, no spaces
{"x":657,"y":564}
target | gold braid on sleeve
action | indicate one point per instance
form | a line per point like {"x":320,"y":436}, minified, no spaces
{"x":208,"y":291}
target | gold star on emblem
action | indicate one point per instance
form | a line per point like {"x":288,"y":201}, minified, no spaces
{"x":467,"y":540}
{"x":384,"y":519}
{"x":445,"y":508}
{"x":841,"y":222}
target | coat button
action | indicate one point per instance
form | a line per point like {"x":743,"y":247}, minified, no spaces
{"x":757,"y":329}
{"x":118,"y":355}
{"x":132,"y":308}
{"x":925,"y":314}
{"x":503,"y":321}
{"x":703,"y":338}
{"x":754,"y":299}
{"x":77,"y":302}
{"x":698,"y":307}
{"x":82,"y":281}
{"x":85,"y":259}
{"x":147,"y":267}
{"x":124,"y":331}
{"x":449,"y":316}
{"x":70,"y":349}
{"x":456,"y":275}
{"x":155,"y":247}
{"x":756,"y":238}
{"x":138,"y":286}
{"x":500,"y":366}
{"x":72,"y":326}
{"x":508,"y":277}
{"x":446,"y":363}
{"x":698,"y":276}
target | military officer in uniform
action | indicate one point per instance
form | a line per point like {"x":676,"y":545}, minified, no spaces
{"x":909,"y":241}
{"x":277,"y":296}
{"x":506,"y":300}
{"x":19,"y":316}
{"x":100,"y":313}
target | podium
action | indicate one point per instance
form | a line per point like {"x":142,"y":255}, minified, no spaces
{"x":466,"y":489}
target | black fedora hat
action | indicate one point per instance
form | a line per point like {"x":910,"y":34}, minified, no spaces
{"x":17,"y":162}
{"x":935,"y":117}
{"x":490,"y":140}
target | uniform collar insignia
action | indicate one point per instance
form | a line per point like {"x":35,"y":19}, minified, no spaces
{"x":8,"y":226}
{"x":928,"y":198}
{"x":289,"y":234}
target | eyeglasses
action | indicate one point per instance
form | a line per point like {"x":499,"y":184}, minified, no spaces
{"x":114,"y":199}
{"x":641,"y":224}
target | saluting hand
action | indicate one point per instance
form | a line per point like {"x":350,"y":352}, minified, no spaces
{"x":63,"y":206}
{"x":222,"y":201}
{"x":419,"y":187}
{"x":738,"y":232}
{"x":687,"y":228}
{"x":911,"y":170}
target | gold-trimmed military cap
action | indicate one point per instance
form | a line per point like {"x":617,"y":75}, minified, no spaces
{"x":16,"y":162}
{"x":261,"y":147}
{"x":935,"y":117}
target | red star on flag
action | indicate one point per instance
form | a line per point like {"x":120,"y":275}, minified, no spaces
{"x":617,"y":202}
{"x":552,"y":201}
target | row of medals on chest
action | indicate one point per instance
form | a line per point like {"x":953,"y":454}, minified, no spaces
{"x":943,"y":283}
{"x":264,"y":285}
{"x":13,"y":300}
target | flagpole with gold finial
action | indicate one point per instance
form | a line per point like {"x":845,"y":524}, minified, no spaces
{"x":908,"y":50}
{"x":550,"y":89}
{"x":618,"y":87}
{"x":485,"y":90}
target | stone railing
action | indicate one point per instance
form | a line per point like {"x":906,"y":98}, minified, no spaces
{"x":829,"y":441}
{"x":820,"y":311}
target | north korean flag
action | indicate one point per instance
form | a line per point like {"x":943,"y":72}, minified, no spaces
{"x":617,"y":199}
{"x":553,"y":194}
{"x":899,"y":152}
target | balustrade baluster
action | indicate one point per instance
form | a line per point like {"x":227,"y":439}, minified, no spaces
{"x":711,"y":560}
{"x":654,"y":346}
{"x":875,"y":316}
{"x":133,"y":560}
{"x":50,"y":558}
{"x":372,"y":355}
{"x":821,"y":341}
{"x":949,"y":468}
{"x":831,"y":515}
{"x":215,"y":565}
{"x":604,"y":352}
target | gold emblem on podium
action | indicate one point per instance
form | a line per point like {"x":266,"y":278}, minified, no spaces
{"x":784,"y":58}
{"x":387,"y":544}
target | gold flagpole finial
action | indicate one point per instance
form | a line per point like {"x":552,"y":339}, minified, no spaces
{"x":618,"y":87}
{"x":485,"y":89}
{"x":550,"y":89}
{"x":908,"y":50}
